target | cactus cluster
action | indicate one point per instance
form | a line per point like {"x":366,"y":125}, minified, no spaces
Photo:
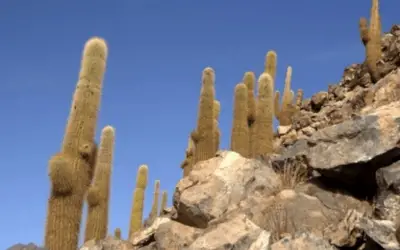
{"x":371,"y":38}
{"x":80,"y":172}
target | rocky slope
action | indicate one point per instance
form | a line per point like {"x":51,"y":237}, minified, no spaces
{"x":333,"y":184}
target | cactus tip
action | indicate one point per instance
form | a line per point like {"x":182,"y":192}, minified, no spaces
{"x":265,"y":77}
{"x":108,"y":129}
{"x":96,"y":45}
{"x":240,"y":86}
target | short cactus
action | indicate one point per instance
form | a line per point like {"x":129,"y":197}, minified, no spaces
{"x":138,"y":200}
{"x":217,"y":131}
{"x":249,"y":80}
{"x":299,"y":99}
{"x":371,"y":38}
{"x":154,"y":207}
{"x":240,"y":129}
{"x":99,"y":192}
{"x":71,"y":170}
{"x":205,"y":143}
{"x":288,"y":109}
{"x":164,"y":202}
{"x":264,"y":120}
{"x":117,"y":233}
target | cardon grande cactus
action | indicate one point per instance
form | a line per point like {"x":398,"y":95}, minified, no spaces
{"x":98,"y":195}
{"x":371,"y":38}
{"x":71,"y":170}
{"x":204,"y":140}
{"x":164,"y":202}
{"x":264,"y":120}
{"x":270,"y":64}
{"x":217,"y":131}
{"x":240,"y":129}
{"x":188,"y":162}
{"x":288,"y":109}
{"x":117,"y":233}
{"x":249,"y":80}
{"x":154,"y":207}
{"x":138,"y":200}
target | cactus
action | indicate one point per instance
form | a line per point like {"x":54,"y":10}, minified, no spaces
{"x":187,"y":164}
{"x":249,"y":80}
{"x":270,"y":64}
{"x":240,"y":129}
{"x":117,"y":233}
{"x":154,"y":207}
{"x":288,"y":109}
{"x":371,"y":38}
{"x":99,"y":193}
{"x":217,"y":131}
{"x":264,"y":119}
{"x":164,"y":202}
{"x":299,"y":99}
{"x":71,"y":170}
{"x":138,"y":200}
{"x":205,"y":142}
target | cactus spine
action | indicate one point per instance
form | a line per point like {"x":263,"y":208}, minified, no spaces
{"x":217,"y":131}
{"x":117,"y":233}
{"x":286,"y":112}
{"x":264,"y":119}
{"x":249,"y":80}
{"x":71,"y":170}
{"x":154,"y":207}
{"x":99,"y":192}
{"x":164,"y":202}
{"x":371,"y":38}
{"x":204,"y":138}
{"x":138,"y":200}
{"x":240,"y":129}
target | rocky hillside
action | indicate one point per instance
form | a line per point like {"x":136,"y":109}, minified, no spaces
{"x":333,"y":184}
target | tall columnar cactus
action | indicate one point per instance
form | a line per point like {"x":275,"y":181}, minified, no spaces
{"x":71,"y":170}
{"x":154,"y":207}
{"x":164,"y":202}
{"x":188,"y":162}
{"x":117,"y":233}
{"x":264,"y":120}
{"x":270,"y":64}
{"x":138,"y":200}
{"x":204,"y":138}
{"x":371,"y":38}
{"x":240,"y":129}
{"x":217,"y":131}
{"x":98,"y":195}
{"x":249,"y":80}
{"x":288,"y":109}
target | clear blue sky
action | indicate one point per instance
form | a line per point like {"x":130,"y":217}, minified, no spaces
{"x":157,"y":51}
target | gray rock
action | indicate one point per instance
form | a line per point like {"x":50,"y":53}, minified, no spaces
{"x":302,"y":241}
{"x":29,"y":246}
